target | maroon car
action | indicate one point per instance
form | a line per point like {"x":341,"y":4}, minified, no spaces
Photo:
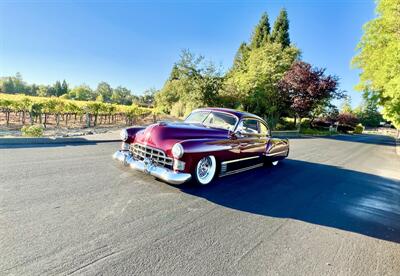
{"x":210,"y":142}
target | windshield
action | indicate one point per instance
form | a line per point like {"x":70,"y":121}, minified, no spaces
{"x":212,"y":119}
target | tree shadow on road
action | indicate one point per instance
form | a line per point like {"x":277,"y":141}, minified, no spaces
{"x":49,"y":143}
{"x":320,"y":194}
{"x":375,"y":139}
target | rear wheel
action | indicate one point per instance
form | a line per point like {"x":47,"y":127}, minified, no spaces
{"x":205,"y":170}
{"x":271,"y":163}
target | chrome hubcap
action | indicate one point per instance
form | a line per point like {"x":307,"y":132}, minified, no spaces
{"x":204,"y":167}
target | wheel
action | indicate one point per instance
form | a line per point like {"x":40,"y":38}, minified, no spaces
{"x":271,"y":163}
{"x":205,"y":170}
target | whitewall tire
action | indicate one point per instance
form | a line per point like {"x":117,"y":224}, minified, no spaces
{"x":270,"y":163}
{"x":205,"y":170}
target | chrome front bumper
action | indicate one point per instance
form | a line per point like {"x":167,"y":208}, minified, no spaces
{"x":159,"y":172}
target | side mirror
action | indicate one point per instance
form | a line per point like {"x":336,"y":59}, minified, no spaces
{"x":236,"y":134}
{"x":232,"y":135}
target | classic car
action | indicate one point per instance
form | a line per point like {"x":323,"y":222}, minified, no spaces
{"x":210,"y":142}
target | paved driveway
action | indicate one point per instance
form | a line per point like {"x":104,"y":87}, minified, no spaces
{"x":332,"y":208}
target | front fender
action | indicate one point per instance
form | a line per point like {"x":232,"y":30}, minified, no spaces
{"x":196,"y":149}
{"x":132,"y":133}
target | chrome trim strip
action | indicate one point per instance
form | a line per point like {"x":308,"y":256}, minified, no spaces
{"x":238,"y":160}
{"x":241,"y":170}
{"x":276,"y":153}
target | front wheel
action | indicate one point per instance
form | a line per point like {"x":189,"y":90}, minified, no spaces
{"x":205,"y":170}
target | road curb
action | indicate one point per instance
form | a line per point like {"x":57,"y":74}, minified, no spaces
{"x":62,"y":140}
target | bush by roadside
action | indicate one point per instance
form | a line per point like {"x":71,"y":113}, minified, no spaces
{"x":316,"y":132}
{"x":32,"y":131}
{"x":358,"y":129}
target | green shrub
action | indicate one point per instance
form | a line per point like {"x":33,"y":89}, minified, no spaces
{"x":285,"y":124}
{"x":305,"y":122}
{"x":358,"y":129}
{"x":32,"y":131}
{"x":311,"y":131}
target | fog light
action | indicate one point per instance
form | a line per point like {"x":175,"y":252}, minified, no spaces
{"x":125,"y":146}
{"x":179,"y":165}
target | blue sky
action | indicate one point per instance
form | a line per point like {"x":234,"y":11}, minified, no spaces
{"x":135,"y":43}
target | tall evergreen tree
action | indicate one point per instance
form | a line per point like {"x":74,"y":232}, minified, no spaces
{"x":175,"y":73}
{"x":280,"y":33}
{"x":241,"y":57}
{"x":261,"y":32}
{"x":64,"y":87}
{"x":57,"y":89}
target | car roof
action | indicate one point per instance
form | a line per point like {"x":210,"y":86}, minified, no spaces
{"x":237,"y":113}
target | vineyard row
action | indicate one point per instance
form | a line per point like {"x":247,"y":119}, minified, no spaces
{"x":27,"y":109}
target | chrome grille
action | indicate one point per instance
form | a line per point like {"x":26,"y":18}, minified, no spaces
{"x":157,"y":156}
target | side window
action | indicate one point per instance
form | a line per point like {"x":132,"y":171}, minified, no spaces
{"x":263,"y":129}
{"x":248,"y":126}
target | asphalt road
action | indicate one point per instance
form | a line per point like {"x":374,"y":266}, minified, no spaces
{"x":332,"y":208}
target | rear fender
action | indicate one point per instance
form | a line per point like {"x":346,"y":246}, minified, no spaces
{"x":277,"y":149}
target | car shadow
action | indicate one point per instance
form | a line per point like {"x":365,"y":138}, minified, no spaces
{"x":315,"y":193}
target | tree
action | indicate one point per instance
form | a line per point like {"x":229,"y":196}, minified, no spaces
{"x":121,"y":95}
{"x":64,"y":88}
{"x":378,"y":58}
{"x":105,"y":91}
{"x":192,"y":83}
{"x":367,"y":113}
{"x":7,"y":85}
{"x":346,"y":105}
{"x":255,"y":88}
{"x":82,"y":93}
{"x":347,"y":119}
{"x":58,"y":91}
{"x":148,"y":97}
{"x":175,"y":74}
{"x":19,"y":85}
{"x":43,"y":91}
{"x":33,"y":90}
{"x":242,"y":54}
{"x":14,"y":85}
{"x":280,"y":33}
{"x":308,"y":88}
{"x":261,"y":32}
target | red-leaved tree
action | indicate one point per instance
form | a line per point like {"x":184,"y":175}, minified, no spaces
{"x":347,"y":119}
{"x":307,"y":88}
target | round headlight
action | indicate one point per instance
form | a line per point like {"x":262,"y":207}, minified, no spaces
{"x":124,"y":135}
{"x":177,"y":150}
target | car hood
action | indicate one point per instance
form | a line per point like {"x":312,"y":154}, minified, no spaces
{"x":165,"y":135}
